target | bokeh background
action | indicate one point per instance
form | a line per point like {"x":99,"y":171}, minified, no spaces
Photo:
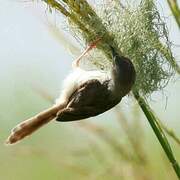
{"x":33,"y":65}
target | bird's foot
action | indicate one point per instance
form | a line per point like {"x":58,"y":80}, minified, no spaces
{"x":75,"y":63}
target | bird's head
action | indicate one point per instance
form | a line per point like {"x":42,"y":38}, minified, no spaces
{"x":123,"y":70}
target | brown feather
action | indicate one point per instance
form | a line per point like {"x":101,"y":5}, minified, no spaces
{"x":91,"y":99}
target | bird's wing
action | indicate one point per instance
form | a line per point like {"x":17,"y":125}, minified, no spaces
{"x":90,"y":99}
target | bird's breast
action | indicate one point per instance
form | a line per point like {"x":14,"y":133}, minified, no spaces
{"x":78,"y":77}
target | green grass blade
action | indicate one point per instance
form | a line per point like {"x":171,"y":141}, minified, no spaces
{"x":158,"y":131}
{"x":175,"y":10}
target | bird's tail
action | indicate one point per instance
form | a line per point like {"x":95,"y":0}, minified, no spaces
{"x":28,"y":126}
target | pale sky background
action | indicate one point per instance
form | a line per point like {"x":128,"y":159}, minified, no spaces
{"x":29,"y":54}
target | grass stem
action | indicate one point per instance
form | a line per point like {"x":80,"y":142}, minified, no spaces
{"x":175,"y":10}
{"x":158,"y":131}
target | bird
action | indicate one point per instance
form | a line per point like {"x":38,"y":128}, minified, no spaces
{"x":85,"y":93}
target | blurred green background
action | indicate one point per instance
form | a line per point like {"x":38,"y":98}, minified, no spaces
{"x":116,"y":145}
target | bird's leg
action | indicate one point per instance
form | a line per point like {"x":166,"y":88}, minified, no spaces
{"x":28,"y":126}
{"x":91,"y":46}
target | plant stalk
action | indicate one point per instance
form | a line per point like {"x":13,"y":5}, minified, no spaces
{"x":175,"y":10}
{"x":158,"y":131}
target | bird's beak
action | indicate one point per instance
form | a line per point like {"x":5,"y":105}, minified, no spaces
{"x":115,"y":56}
{"x":113,"y":51}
